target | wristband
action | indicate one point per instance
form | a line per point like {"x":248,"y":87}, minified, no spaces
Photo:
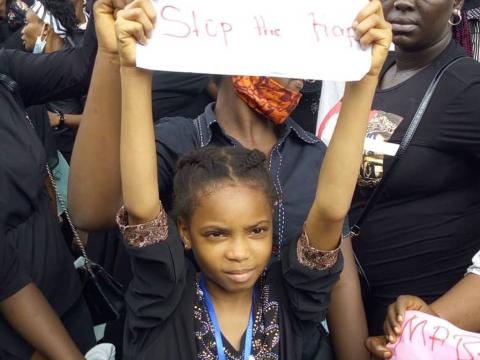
{"x":61,"y":120}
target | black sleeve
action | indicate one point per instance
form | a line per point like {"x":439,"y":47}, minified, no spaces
{"x":173,"y":138}
{"x":458,"y":121}
{"x":308,"y":290}
{"x":48,"y":77}
{"x":158,"y":282}
{"x":12,"y":276}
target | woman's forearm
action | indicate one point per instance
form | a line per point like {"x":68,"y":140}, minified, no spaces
{"x":94,"y":185}
{"x":346,"y":317}
{"x":137,"y":150}
{"x":341,"y":165}
{"x":461,"y":304}
{"x":31,"y":316}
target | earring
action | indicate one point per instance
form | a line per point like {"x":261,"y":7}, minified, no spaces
{"x":456,"y":18}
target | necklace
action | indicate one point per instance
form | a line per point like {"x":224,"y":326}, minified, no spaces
{"x":216,"y":327}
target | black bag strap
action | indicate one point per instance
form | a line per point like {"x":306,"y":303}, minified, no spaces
{"x":355,"y":229}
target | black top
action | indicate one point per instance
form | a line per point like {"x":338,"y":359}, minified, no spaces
{"x":294,"y":164}
{"x":425,"y":228}
{"x":165,"y":317}
{"x":12,"y":276}
{"x":27,"y":217}
{"x":179,"y":94}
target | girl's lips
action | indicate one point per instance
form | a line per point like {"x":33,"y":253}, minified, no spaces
{"x":240,"y":276}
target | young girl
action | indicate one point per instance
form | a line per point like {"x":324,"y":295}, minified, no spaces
{"x":233,"y":308}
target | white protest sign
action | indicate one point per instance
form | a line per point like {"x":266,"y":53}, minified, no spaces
{"x":427,"y":337}
{"x":301,"y":39}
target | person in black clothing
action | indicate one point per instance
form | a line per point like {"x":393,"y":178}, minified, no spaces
{"x":29,"y":221}
{"x":27,"y":311}
{"x":224,"y":213}
{"x":420,"y":236}
{"x":50,"y":26}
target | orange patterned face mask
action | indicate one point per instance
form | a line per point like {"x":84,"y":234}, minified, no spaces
{"x":266,"y":96}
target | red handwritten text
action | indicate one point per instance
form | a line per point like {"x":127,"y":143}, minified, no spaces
{"x":262,"y":28}
{"x":322,"y":30}
{"x":187,"y":25}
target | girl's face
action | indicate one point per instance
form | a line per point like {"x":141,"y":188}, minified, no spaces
{"x":419,"y":24}
{"x":230,"y":233}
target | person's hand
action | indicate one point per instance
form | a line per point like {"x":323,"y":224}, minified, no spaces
{"x":371,"y":28}
{"x":377,"y":345}
{"x":54,"y":119}
{"x":105,"y":13}
{"x":134,"y":25}
{"x":396,"y":314}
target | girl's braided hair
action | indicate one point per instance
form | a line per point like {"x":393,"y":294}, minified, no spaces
{"x":202,"y":169}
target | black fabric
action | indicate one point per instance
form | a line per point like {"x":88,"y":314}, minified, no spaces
{"x":12,"y":40}
{"x":424,"y":230}
{"x":306,"y":113}
{"x":12,"y":276}
{"x":179,"y":94}
{"x":28,"y":218}
{"x":65,"y":137}
{"x":471,"y":4}
{"x":161,"y":297}
{"x":41,"y":122}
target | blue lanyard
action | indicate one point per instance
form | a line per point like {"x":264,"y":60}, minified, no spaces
{"x":216,"y":327}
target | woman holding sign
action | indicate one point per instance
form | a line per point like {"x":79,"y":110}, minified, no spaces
{"x":223,"y":206}
{"x":241,"y":117}
{"x":460,"y":306}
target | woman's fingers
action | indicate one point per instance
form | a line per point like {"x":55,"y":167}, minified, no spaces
{"x":146,"y":6}
{"x":373,"y":7}
{"x":137,"y":20}
{"x":377,"y":346}
{"x":134,"y":24}
{"x":371,"y":29}
{"x":391,"y":326}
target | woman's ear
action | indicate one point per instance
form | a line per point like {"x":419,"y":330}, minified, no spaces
{"x":182,"y":227}
{"x":458,"y":4}
{"x":46,"y":31}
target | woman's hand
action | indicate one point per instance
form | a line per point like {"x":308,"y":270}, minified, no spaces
{"x":392,"y":326}
{"x":371,"y":28}
{"x":134,"y":25}
{"x":396,"y":314}
{"x":105,"y":24}
{"x":377,"y":345}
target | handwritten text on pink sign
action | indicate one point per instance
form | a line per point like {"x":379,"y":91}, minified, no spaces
{"x":427,"y":337}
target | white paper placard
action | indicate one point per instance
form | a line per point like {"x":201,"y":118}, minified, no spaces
{"x":303,"y":39}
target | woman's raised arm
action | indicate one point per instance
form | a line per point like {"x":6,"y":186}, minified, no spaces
{"x":339,"y":172}
{"x":94,"y":185}
{"x":137,"y":145}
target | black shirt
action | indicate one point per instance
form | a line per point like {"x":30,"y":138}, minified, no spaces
{"x":425,"y":228}
{"x":28,"y":220}
{"x":179,"y":94}
{"x":12,"y":276}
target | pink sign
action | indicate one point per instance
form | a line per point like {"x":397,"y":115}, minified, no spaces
{"x":426,"y":337}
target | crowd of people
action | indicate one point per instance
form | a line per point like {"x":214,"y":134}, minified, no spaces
{"x":236,"y":232}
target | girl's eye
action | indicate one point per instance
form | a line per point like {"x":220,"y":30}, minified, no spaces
{"x":215,"y":234}
{"x":259,"y":230}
